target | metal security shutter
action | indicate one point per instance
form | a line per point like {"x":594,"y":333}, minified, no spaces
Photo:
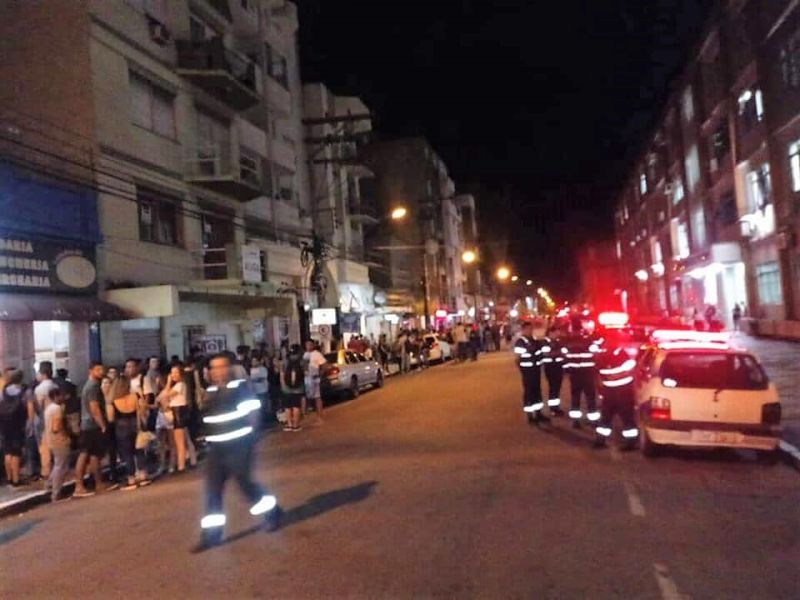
{"x":141,"y":343}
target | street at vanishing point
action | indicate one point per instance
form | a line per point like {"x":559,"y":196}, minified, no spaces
{"x":434,"y":486}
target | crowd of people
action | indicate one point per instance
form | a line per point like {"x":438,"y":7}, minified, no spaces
{"x":130,"y":424}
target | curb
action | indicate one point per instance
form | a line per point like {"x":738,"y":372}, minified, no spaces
{"x":790,"y":454}
{"x":31,"y":500}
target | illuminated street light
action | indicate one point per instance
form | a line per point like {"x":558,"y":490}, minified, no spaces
{"x":529,"y":282}
{"x":515,"y":278}
{"x":399,"y":213}
{"x":469,"y":256}
{"x":503,"y":273}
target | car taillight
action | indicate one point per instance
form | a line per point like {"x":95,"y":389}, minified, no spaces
{"x":771,"y":413}
{"x":333,"y":372}
{"x":660,"y":409}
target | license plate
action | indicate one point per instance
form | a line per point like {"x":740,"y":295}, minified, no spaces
{"x":715,"y":437}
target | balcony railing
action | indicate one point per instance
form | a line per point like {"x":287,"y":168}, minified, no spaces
{"x":223,"y":73}
{"x":212,"y":166}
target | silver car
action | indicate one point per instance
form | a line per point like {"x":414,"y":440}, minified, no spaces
{"x":349,"y":372}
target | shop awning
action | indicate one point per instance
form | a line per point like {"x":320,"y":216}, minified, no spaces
{"x":41,"y":307}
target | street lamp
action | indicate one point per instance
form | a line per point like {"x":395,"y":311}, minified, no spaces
{"x":529,"y":282}
{"x":469,"y":256}
{"x":515,"y":278}
{"x":503,"y":273}
{"x":399,"y":213}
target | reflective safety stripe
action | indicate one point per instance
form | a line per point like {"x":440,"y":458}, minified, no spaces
{"x":528,"y":409}
{"x":619,"y":382}
{"x":582,"y":365}
{"x":628,"y":365}
{"x":520,"y":350}
{"x":554,"y":402}
{"x":593,"y":416}
{"x":559,"y":359}
{"x":545,"y":361}
{"x":213,"y":520}
{"x":243,"y":409}
{"x":564,"y":351}
{"x":546,"y":349}
{"x":537,"y":406}
{"x":604,"y":431}
{"x":526,"y":363}
{"x":580,"y":355}
{"x":235,"y":383}
{"x":212,"y":388}
{"x":630,"y":433}
{"x":594,"y":348}
{"x":527,"y":355}
{"x":231,"y":435}
{"x":575,"y":414}
{"x":266,"y":504}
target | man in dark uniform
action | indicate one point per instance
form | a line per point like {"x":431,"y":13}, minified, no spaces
{"x":230,"y":417}
{"x":528,"y":352}
{"x":615,"y":370}
{"x":579,"y":353}
{"x":552,"y":360}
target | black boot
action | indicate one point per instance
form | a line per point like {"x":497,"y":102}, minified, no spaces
{"x":208,"y":539}
{"x":272,"y":519}
{"x":542,"y":418}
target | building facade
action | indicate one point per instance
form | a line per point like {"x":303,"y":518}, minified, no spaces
{"x":191,"y":113}
{"x":709,"y":215}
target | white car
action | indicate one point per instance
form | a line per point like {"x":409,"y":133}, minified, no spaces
{"x":439,"y":349}
{"x":347,"y":371}
{"x":700,"y":391}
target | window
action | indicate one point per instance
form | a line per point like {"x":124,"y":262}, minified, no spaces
{"x":768,"y":279}
{"x":714,"y":371}
{"x":677,"y":190}
{"x":760,"y":188}
{"x":249,"y":167}
{"x":692,"y":168}
{"x":790,"y":61}
{"x":680,"y":239}
{"x":794,"y":165}
{"x":152,"y":107}
{"x":199,"y":29}
{"x":720,"y":146}
{"x":699,"y":228}
{"x":751,"y":108}
{"x":158,"y":217}
{"x":642,"y":184}
{"x":687,"y":105}
{"x":277,"y":67}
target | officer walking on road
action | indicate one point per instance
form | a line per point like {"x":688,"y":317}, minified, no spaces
{"x":528,"y":353}
{"x":615,"y":370}
{"x":230,"y":415}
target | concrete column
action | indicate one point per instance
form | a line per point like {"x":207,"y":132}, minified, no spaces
{"x":16,"y":346}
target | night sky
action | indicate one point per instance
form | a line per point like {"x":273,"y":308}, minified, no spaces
{"x":536,"y":107}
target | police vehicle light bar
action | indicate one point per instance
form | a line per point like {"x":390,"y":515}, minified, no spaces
{"x":613,"y":319}
{"x":678,"y":335}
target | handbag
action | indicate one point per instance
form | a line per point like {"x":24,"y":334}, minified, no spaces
{"x":144,"y":439}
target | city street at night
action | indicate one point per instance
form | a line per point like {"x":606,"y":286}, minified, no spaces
{"x":435,"y":486}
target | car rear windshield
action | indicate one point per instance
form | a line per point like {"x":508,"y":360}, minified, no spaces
{"x":714,"y":371}
{"x":332,"y":357}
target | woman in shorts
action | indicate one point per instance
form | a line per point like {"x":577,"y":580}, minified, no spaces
{"x":178,"y":406}
{"x":293,"y":387}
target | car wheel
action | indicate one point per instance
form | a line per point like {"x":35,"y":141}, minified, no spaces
{"x":649,"y":448}
{"x":379,"y":380}
{"x":355,"y":390}
{"x":768,"y":457}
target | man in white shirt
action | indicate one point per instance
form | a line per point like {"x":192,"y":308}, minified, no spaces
{"x":42,"y":398}
{"x":314,"y":359}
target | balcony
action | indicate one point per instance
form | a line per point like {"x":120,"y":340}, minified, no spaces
{"x":362,"y":212}
{"x":213,"y":167}
{"x":234,"y":263}
{"x":278,"y":97}
{"x":223,"y":73}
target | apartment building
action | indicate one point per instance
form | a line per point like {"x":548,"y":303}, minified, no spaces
{"x":191,"y":112}
{"x":343,"y":204}
{"x":417,"y":261}
{"x":709,"y":215}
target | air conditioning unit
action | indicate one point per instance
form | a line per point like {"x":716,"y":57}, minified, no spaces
{"x":159,"y":33}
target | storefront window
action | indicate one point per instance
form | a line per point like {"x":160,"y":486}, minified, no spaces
{"x":51,"y":343}
{"x":768,"y":278}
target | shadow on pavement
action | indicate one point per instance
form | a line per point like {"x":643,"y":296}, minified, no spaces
{"x":314,"y":507}
{"x":17,"y":531}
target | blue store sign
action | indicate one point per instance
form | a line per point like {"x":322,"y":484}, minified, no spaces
{"x":29,"y":264}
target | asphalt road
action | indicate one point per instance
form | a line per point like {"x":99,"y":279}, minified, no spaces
{"x":434,"y":487}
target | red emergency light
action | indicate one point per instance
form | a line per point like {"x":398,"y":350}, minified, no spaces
{"x":613,"y":319}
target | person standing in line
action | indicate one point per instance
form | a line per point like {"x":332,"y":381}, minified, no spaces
{"x":259,"y":378}
{"x":36,"y":412}
{"x":13,"y":417}
{"x":94,"y":430}
{"x":737,"y":316}
{"x":383,"y":353}
{"x":58,"y":441}
{"x":293,"y":386}
{"x":151,"y":386}
{"x":112,"y":375}
{"x":178,"y":407}
{"x":72,"y":404}
{"x":123,"y":404}
{"x":314,"y":359}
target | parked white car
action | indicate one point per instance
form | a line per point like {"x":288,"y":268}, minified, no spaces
{"x":349,"y":372}
{"x":438,"y":347}
{"x":704,"y":392}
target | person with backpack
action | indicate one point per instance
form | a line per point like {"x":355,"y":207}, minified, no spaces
{"x":293,"y":386}
{"x":13,"y":419}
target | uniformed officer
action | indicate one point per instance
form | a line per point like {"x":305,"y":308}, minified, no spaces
{"x":579,"y":353}
{"x":230,"y":417}
{"x":552,"y":360}
{"x":616,"y":372}
{"x":528,"y":352}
